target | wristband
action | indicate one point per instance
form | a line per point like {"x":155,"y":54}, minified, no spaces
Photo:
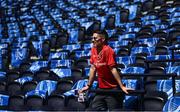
{"x":89,"y":85}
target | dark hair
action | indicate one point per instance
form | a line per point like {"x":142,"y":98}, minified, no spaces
{"x":102,"y":32}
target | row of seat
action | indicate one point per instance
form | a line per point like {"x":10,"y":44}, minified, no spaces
{"x":51,"y":103}
{"x":48,"y":88}
{"x":43,"y":28}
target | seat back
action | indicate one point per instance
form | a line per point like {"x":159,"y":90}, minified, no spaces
{"x":62,"y":40}
{"x":154,"y":100}
{"x":76,"y":74}
{"x":29,"y":86}
{"x":56,"y":102}
{"x":34,"y":102}
{"x":24,"y":67}
{"x":16,"y":103}
{"x":11,"y":76}
{"x":45,"y":49}
{"x":147,"y":6}
{"x":124,"y":15}
{"x":14,"y":88}
{"x":64,"y":86}
{"x":110,"y":22}
{"x":2,"y":86}
{"x":42,"y":75}
{"x":153,"y":104}
{"x":72,"y":104}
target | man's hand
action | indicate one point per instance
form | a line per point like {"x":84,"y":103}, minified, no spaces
{"x":124,"y":89}
{"x":83,"y":89}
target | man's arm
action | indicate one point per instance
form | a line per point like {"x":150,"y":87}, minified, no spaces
{"x":118,"y":79}
{"x":92,"y":75}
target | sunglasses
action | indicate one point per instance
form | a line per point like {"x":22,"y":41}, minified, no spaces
{"x":96,"y":39}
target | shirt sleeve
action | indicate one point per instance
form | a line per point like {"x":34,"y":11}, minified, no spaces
{"x":111,"y":58}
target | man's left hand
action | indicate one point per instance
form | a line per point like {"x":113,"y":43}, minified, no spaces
{"x":125,"y":89}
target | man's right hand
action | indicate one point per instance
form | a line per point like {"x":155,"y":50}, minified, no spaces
{"x":83,"y":89}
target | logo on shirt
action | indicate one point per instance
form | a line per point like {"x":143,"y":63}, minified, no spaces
{"x":99,"y":64}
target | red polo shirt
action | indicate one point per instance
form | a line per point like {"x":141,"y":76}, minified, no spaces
{"x":102,"y":62}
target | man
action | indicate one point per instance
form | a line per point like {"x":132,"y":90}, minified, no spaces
{"x":103,"y":62}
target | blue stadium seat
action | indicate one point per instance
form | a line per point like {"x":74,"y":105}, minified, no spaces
{"x":20,"y":44}
{"x":172,"y":104}
{"x":73,"y":35}
{"x":87,"y":46}
{"x":78,"y":85}
{"x":111,"y":32}
{"x":126,"y":60}
{"x":71,"y":47}
{"x":22,"y":80}
{"x":160,"y":57}
{"x":127,"y":36}
{"x":133,"y":70}
{"x":45,"y":87}
{"x":134,"y":84}
{"x":173,"y":69}
{"x":132,"y":11}
{"x":4,"y":100}
{"x":166,"y":86}
{"x":149,"y":41}
{"x":62,"y":72}
{"x":18,"y":56}
{"x":2,"y":75}
{"x":60,"y":55}
{"x":35,"y":66}
{"x":82,"y":53}
{"x":148,"y":50}
{"x":61,"y":63}
{"x":114,"y":44}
